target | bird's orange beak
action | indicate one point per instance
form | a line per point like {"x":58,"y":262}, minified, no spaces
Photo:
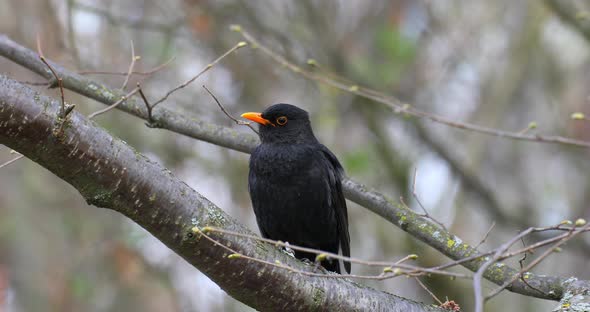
{"x":257,"y":117}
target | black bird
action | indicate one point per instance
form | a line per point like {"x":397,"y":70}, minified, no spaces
{"x":295,"y":185}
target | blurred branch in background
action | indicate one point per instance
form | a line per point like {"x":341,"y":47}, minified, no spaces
{"x":574,"y":12}
{"x":139,"y":23}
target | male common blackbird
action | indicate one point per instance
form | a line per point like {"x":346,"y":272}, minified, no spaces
{"x":295,"y":185}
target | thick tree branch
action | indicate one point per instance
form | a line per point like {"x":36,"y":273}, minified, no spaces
{"x":110,"y":174}
{"x":553,"y":288}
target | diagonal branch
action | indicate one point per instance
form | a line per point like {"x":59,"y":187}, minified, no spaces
{"x":111,"y":174}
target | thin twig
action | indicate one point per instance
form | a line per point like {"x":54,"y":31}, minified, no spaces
{"x":428,"y":290}
{"x":522,"y":277}
{"x":238,"y":255}
{"x":415,"y":195}
{"x":412,"y":270}
{"x":486,"y":235}
{"x":237,"y":121}
{"x":150,"y":123}
{"x":11,"y":161}
{"x":477,"y":278}
{"x":400,"y":107}
{"x":207,"y":68}
{"x":314,"y":64}
{"x":134,"y":58}
{"x":108,"y":108}
{"x":571,"y":234}
{"x":517,"y":252}
{"x":64,"y":111}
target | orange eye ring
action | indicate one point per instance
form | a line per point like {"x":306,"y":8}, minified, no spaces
{"x":281,"y":121}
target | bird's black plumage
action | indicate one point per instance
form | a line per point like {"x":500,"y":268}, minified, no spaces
{"x":295,"y":185}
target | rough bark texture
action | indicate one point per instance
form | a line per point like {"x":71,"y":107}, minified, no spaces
{"x":553,"y":288}
{"x":110,"y":174}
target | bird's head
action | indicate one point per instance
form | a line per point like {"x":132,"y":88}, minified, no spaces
{"x":283,"y":123}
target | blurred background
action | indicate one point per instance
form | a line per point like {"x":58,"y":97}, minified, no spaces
{"x":503,"y":64}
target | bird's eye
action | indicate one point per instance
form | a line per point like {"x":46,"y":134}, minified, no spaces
{"x":281,"y":121}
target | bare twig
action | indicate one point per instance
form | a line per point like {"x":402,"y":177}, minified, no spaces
{"x":386,"y":274}
{"x":477,"y":278}
{"x":486,"y":235}
{"x":150,"y":120}
{"x":410,"y":270}
{"x":570,"y":234}
{"x":520,"y":251}
{"x":207,"y":68}
{"x":428,"y":291}
{"x":400,"y":107}
{"x":237,"y":121}
{"x":108,"y":108}
{"x":415,"y":195}
{"x":134,"y":58}
{"x":11,"y":161}
{"x":65,"y":109}
{"x":238,"y":255}
{"x":522,"y":277}
{"x":315,"y":65}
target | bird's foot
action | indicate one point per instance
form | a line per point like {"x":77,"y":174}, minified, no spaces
{"x":288,"y":250}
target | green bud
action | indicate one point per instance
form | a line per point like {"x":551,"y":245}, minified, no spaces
{"x":321,"y":257}
{"x":235,"y":27}
{"x":234,"y":256}
{"x":207,"y":229}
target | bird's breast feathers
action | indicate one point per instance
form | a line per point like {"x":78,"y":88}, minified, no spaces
{"x":284,"y":161}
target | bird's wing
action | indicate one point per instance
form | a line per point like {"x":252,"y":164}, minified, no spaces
{"x":339,"y":203}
